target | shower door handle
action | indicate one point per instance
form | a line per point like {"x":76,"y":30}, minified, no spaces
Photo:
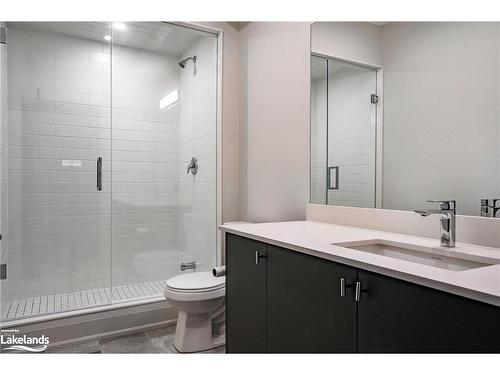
{"x":99,"y":173}
{"x":329,"y":178}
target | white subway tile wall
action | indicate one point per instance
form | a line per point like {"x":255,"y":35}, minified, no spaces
{"x":145,"y":177}
{"x":59,"y":122}
{"x":198,"y":221}
{"x":351,"y":133}
{"x":64,"y":235}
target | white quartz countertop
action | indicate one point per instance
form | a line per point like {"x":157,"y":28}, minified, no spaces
{"x":315,"y":238}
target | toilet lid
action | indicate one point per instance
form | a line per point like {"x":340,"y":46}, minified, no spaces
{"x":196,"y":281}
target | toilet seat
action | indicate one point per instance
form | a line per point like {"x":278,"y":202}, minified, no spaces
{"x":195,"y":286}
{"x":196,"y":282}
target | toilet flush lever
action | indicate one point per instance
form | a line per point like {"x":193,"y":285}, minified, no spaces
{"x":258,"y":257}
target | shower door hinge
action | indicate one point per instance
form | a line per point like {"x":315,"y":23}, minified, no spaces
{"x":3,"y":271}
{"x":374,"y":98}
{"x":3,"y":35}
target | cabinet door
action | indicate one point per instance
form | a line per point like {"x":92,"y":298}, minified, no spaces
{"x":395,"y":316}
{"x":245,"y":295}
{"x":305,"y":311}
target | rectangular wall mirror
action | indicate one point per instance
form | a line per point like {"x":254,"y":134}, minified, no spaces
{"x":405,"y":112}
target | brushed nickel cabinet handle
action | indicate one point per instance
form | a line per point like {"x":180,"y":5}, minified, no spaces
{"x":357,"y":295}
{"x":258,"y":257}
{"x":343,"y":287}
{"x":358,"y":291}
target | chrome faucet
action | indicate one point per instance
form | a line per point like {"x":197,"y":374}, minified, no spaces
{"x":448,"y":211}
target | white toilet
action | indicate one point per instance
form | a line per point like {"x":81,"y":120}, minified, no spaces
{"x":199,"y":297}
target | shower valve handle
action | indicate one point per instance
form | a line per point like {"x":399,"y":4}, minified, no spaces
{"x":193,"y":166}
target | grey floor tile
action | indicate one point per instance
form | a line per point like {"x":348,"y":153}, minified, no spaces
{"x":161,"y":331}
{"x":156,"y":340}
{"x":131,"y":343}
{"x":89,"y":347}
{"x":162,"y":338}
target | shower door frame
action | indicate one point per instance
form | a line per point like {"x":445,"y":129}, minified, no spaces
{"x":379,"y":126}
{"x":56,"y":320}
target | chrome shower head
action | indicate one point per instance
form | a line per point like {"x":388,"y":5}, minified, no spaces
{"x":183,"y":63}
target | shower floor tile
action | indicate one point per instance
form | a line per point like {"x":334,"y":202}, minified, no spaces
{"x":29,"y":307}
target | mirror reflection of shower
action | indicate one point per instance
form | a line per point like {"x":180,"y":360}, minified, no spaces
{"x":184,"y":62}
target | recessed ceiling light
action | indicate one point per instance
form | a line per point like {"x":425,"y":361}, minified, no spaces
{"x":119,"y":26}
{"x":107,"y":37}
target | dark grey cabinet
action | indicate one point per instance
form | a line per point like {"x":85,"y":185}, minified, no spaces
{"x":395,"y":316}
{"x":282,"y":301}
{"x":246,"y":322}
{"x":305,"y":310}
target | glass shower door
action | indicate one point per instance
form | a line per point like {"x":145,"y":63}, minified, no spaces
{"x":58,"y":168}
{"x":164,"y":85}
{"x":351,"y":133}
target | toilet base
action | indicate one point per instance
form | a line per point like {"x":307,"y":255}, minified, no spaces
{"x":194,"y":333}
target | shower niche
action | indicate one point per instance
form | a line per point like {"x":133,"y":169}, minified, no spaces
{"x":99,"y":122}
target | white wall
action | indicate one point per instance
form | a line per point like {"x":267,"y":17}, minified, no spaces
{"x":274,"y":114}
{"x":354,"y":41}
{"x":441,"y":115}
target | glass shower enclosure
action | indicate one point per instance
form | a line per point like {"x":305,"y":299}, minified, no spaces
{"x":343,"y":133}
{"x":99,"y":123}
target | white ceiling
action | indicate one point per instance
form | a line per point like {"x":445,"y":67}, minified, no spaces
{"x":156,"y":36}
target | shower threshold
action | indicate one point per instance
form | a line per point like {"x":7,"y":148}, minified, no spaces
{"x":76,"y":302}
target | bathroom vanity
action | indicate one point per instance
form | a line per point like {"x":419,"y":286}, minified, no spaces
{"x":306,"y":286}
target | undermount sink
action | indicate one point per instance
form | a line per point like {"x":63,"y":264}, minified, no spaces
{"x":429,"y":256}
